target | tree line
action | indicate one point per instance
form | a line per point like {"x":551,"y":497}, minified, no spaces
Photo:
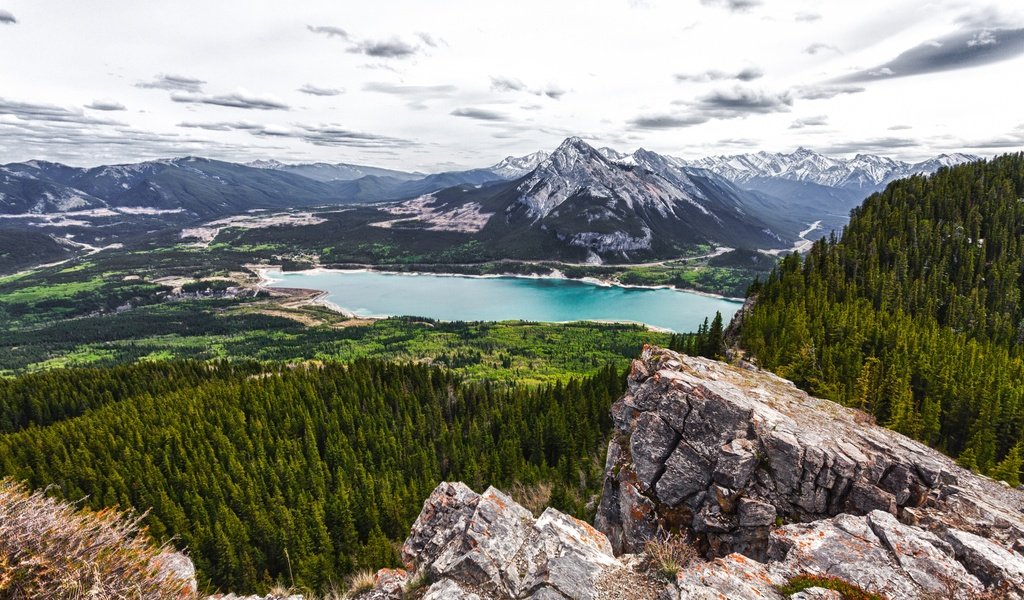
{"x":914,"y":314}
{"x":275,"y":473}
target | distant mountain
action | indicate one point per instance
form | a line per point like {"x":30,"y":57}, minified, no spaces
{"x":197,"y":187}
{"x":579,"y":204}
{"x":514,"y":167}
{"x":864,"y":172}
{"x":322,"y":171}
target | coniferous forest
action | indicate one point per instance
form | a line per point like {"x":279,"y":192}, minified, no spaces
{"x":297,"y":474}
{"x":915,"y":314}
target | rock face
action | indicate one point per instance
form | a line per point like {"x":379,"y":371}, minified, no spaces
{"x":773,"y":483}
{"x":478,"y":546}
{"x":172,"y":567}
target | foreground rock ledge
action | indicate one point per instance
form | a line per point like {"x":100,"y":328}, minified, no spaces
{"x":754,"y":468}
{"x":475,"y":546}
{"x":768,"y":482}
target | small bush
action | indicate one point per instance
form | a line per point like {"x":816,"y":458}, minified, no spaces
{"x":848,"y":590}
{"x":668,"y":556}
{"x":48,"y":549}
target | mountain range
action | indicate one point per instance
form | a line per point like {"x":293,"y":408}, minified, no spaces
{"x":577,"y":202}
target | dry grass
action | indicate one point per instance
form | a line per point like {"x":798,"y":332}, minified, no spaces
{"x":360,"y":582}
{"x":669,"y":554}
{"x":534,"y":498}
{"x":50,"y":550}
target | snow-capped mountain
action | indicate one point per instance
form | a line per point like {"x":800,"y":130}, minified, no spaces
{"x":863,"y":172}
{"x":322,"y":171}
{"x":514,"y":167}
{"x":578,"y":204}
{"x":191,"y":186}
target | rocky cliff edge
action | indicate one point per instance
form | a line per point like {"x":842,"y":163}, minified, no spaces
{"x":767,"y":483}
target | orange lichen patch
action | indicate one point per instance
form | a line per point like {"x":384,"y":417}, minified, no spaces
{"x":637,"y":512}
{"x":388,"y":573}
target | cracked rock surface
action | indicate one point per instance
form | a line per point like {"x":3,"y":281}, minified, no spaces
{"x":768,"y":482}
{"x":484,"y":546}
{"x":774,"y":483}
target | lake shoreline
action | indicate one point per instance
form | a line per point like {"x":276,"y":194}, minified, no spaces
{"x":308,"y":296}
{"x":261,"y":270}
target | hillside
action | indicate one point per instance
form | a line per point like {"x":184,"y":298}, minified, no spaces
{"x":914,"y":314}
{"x":268,"y":472}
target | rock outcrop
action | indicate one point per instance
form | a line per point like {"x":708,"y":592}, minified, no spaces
{"x":772,"y":483}
{"x":474,"y":546}
{"x":768,"y":483}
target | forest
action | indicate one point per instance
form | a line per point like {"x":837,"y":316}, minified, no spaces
{"x":274,"y":473}
{"x":914,"y":314}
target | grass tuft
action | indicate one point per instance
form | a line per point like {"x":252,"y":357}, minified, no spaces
{"x":361,"y":582}
{"x":667,"y":556}
{"x":48,"y":549}
{"x":848,"y":590}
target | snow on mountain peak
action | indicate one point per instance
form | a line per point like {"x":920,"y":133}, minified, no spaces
{"x":513,"y":167}
{"x":577,"y":167}
{"x":863,"y":171}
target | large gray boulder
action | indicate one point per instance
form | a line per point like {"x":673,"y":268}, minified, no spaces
{"x":475,"y":546}
{"x":754,"y":468}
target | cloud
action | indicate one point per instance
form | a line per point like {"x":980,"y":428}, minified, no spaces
{"x":480,"y":114}
{"x":667,"y":121}
{"x":174,"y":83}
{"x":393,"y":48}
{"x":416,"y":95}
{"x":817,"y":121}
{"x":335,"y":135}
{"x":223,"y":126}
{"x":554,"y":92}
{"x":819,"y":47}
{"x":825,"y":92}
{"x":740,"y":100}
{"x":900,"y":127}
{"x":319,"y":135}
{"x":874,"y":145}
{"x":430,"y":40}
{"x":511,"y":84}
{"x":960,"y":50}
{"x":807,"y":17}
{"x":313,"y":90}
{"x":433,"y":91}
{"x":732,"y":103}
{"x":329,"y":31}
{"x":106,"y":104}
{"x":1013,"y":139}
{"x":233,"y":100}
{"x":733,"y":5}
{"x":7,"y":18}
{"x":28,"y":111}
{"x":745,"y":74}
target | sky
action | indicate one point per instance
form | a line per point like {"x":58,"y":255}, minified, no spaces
{"x":452,"y":84}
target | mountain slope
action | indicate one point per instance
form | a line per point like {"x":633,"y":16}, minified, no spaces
{"x":198,"y":187}
{"x":322,"y":171}
{"x":864,"y":172}
{"x":915,"y":314}
{"x":514,"y":167}
{"x":580,"y":205}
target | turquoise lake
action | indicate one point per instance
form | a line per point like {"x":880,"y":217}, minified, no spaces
{"x":453,"y":298}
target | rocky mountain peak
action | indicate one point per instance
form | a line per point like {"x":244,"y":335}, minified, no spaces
{"x":577,"y":167}
{"x":767,"y":483}
{"x":512,"y":167}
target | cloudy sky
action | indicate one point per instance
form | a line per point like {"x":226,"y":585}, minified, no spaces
{"x":442,"y":85}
